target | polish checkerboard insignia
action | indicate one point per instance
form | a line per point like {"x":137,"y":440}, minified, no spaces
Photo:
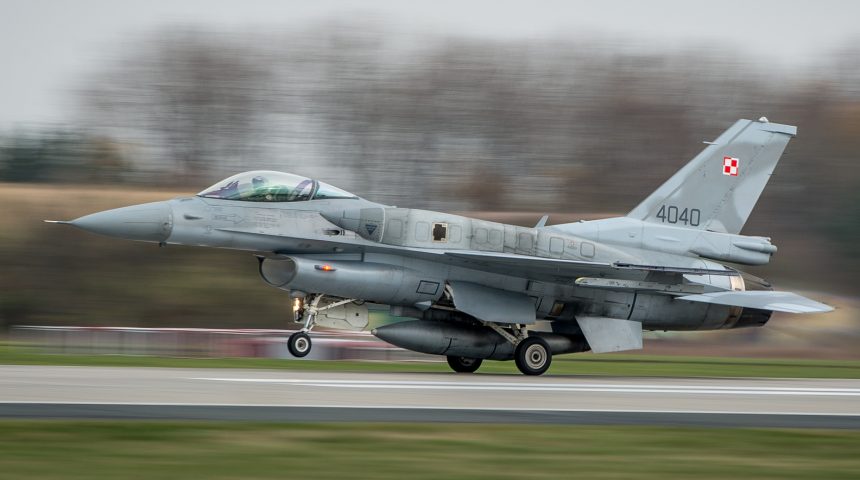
{"x":730,"y":166}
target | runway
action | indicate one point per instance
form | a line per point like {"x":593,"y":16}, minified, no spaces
{"x":293,"y":396}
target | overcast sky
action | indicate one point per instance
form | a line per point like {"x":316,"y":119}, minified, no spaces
{"x":48,"y":47}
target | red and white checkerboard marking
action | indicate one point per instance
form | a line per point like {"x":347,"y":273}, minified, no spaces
{"x":730,"y":166}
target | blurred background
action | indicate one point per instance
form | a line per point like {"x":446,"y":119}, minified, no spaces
{"x":498,"y":110}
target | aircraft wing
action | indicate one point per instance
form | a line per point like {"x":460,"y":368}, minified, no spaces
{"x":552,"y":269}
{"x":540,"y":267}
{"x":763,"y":300}
{"x":533,"y":268}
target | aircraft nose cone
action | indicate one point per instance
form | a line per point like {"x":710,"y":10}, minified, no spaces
{"x":149,"y":222}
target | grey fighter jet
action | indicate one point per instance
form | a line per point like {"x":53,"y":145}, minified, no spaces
{"x":479,"y":290}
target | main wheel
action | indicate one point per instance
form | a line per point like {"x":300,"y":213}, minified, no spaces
{"x":533,"y":356}
{"x":299,"y":344}
{"x":464,"y":364}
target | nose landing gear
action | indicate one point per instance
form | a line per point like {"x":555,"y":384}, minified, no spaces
{"x":299,"y":344}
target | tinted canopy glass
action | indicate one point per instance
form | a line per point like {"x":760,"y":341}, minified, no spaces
{"x":266,"y":186}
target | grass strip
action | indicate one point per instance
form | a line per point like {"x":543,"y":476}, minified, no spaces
{"x":213,"y":450}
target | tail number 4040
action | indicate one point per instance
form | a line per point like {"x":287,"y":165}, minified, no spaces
{"x":685,"y":216}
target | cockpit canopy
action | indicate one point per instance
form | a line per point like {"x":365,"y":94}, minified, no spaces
{"x":267,"y":186}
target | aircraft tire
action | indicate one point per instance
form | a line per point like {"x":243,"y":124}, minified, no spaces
{"x":299,"y":344}
{"x":464,"y":364}
{"x":533,"y":356}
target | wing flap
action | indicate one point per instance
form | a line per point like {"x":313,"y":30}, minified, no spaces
{"x":763,"y":300}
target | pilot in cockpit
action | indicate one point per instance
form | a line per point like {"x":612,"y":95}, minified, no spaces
{"x":269,"y":186}
{"x":260,"y":189}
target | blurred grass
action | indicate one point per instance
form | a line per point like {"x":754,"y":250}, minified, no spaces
{"x":580,"y":364}
{"x":131,"y":450}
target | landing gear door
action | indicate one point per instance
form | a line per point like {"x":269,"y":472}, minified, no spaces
{"x":344,"y":317}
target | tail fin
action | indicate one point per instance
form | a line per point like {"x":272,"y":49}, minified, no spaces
{"x":718,"y":189}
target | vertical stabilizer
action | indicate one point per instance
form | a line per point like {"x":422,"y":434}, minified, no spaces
{"x":718,"y":189}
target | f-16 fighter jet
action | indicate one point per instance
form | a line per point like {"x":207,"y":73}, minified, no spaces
{"x":477,"y":290}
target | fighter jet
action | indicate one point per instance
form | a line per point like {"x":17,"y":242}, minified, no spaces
{"x":474,"y":289}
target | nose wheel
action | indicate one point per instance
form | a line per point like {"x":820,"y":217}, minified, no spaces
{"x":299,"y":344}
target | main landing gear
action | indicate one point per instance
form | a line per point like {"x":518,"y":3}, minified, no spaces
{"x":299,"y":344}
{"x":532,"y":355}
{"x":464,"y":364}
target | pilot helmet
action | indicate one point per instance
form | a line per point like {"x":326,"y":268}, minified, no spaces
{"x":259,"y":181}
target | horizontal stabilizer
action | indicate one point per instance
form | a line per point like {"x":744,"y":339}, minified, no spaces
{"x":763,"y":300}
{"x":611,"y":334}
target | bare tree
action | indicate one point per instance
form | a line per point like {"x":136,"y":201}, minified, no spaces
{"x":195,"y":100}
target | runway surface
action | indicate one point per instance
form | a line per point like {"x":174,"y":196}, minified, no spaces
{"x":277,"y":395}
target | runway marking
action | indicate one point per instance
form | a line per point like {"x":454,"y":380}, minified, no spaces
{"x":429,"y":407}
{"x":548,"y":387}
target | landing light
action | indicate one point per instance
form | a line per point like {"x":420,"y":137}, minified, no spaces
{"x":325,"y":267}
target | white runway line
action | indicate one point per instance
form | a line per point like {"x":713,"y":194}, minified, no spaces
{"x":547,"y":387}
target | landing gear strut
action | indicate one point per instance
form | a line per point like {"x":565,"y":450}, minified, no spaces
{"x":299,"y":344}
